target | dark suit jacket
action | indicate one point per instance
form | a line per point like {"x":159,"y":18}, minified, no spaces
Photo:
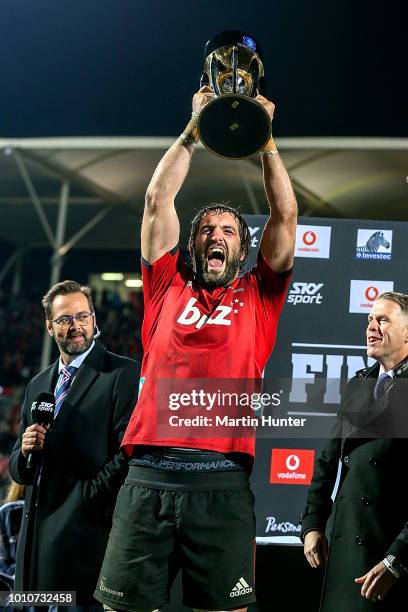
{"x":370,"y":513}
{"x":67,"y":517}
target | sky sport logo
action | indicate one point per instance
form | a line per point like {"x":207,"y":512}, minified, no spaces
{"x":46,"y":407}
{"x":363,"y":293}
{"x":374,"y":244}
{"x":291,"y":466}
{"x":305,"y":293}
{"x":241,"y":588}
{"x":313,"y":241}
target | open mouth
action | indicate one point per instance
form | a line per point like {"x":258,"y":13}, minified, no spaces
{"x":373,"y":339}
{"x":215,"y":258}
{"x":76,"y":337}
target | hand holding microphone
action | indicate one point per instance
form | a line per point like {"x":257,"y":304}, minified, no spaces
{"x":42,"y":411}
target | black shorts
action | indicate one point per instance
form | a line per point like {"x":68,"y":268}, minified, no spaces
{"x":203,"y":524}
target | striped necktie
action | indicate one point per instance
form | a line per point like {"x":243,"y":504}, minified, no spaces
{"x":380,"y":385}
{"x":63,"y":385}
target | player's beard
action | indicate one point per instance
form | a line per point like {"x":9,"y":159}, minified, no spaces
{"x":209,"y":277}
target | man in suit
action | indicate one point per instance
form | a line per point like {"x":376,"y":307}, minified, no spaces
{"x":368,"y":554}
{"x":78,"y":466}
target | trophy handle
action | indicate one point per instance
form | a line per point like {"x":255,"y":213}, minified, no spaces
{"x":254,"y":72}
{"x":234,"y":66}
{"x":213,"y":69}
{"x":204,"y":80}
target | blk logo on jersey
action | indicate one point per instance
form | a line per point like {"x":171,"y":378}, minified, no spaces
{"x":192,"y":315}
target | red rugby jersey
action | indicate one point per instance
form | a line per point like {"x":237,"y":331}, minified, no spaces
{"x":191,"y":332}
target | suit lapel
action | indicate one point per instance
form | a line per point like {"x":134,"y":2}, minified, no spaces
{"x":82,"y":381}
{"x":53,"y":376}
{"x":84,"y":378}
{"x":365,"y":413}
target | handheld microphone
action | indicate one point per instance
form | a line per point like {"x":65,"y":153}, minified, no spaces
{"x":42,"y":413}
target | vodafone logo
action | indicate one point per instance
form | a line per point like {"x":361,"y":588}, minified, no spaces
{"x":309,"y":238}
{"x":291,"y":466}
{"x":292,"y":462}
{"x":371,"y":293}
{"x":363,"y":293}
{"x":313,"y":241}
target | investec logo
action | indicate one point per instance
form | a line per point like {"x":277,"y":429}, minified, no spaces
{"x":313,"y":241}
{"x":305,"y":293}
{"x":363,"y":293}
{"x":374,"y":244}
{"x":241,"y":588}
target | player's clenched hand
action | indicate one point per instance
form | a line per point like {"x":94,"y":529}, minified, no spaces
{"x":33,"y":439}
{"x":202,"y":97}
{"x":267,"y":104}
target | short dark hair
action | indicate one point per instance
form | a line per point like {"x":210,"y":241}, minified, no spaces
{"x":65,"y":288}
{"x":217,"y":208}
{"x":399,"y":298}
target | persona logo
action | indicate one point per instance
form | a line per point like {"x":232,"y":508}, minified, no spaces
{"x":374,"y":244}
{"x":305,"y":293}
{"x":363,"y":293}
{"x":272,"y":526}
{"x":290,"y":466}
{"x":313,"y":241}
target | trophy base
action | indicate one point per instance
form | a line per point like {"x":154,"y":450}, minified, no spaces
{"x":234,"y":126}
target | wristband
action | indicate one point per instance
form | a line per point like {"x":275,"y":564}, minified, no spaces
{"x":188,"y":139}
{"x":269,"y":148}
{"x":190,"y":133}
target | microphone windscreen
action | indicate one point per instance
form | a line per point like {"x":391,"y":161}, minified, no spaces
{"x":42,"y":409}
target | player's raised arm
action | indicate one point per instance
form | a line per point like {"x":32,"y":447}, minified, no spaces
{"x":278,"y":239}
{"x":160,"y":227}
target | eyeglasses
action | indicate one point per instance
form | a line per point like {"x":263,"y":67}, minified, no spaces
{"x":66,"y":321}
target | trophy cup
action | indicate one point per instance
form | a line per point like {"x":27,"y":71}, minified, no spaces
{"x":233,"y":124}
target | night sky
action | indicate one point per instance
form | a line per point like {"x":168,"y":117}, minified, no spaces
{"x":129,"y":67}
